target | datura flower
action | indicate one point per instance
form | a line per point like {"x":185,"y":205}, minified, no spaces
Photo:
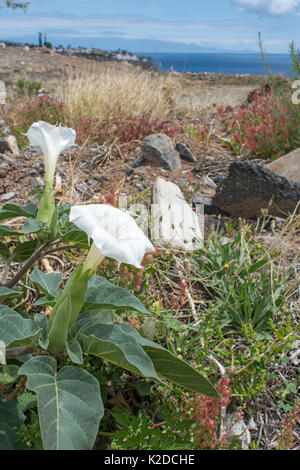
{"x":114,"y":233}
{"x":53,"y":140}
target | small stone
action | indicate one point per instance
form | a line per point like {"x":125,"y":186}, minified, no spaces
{"x":5,"y":131}
{"x":212,"y":223}
{"x":158,"y":149}
{"x":238,"y":429}
{"x":33,"y":172}
{"x":219,"y":178}
{"x":3,"y":163}
{"x":185,"y":153}
{"x":8,"y":196}
{"x":4,"y":146}
{"x":206,"y":202}
{"x":36,"y":183}
{"x":137,"y":163}
{"x":9,"y":144}
{"x":251,"y":424}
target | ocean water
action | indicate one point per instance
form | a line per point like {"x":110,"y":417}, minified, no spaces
{"x":220,"y":62}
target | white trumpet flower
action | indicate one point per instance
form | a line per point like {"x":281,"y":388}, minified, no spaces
{"x":114,"y":233}
{"x":53,"y":140}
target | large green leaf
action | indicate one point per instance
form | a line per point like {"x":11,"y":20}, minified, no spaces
{"x":11,"y":418}
{"x":48,"y":283}
{"x":76,"y":236}
{"x":4,"y":251}
{"x":17,"y":331}
{"x":9,"y":211}
{"x":6,"y":293}
{"x":171,"y":368}
{"x":69,"y":403}
{"x":102,"y":294}
{"x":23,"y":251}
{"x":111,"y":342}
{"x":32,"y":226}
{"x":6,"y":231}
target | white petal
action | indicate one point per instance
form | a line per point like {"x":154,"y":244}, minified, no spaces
{"x":53,"y":140}
{"x":113,"y":231}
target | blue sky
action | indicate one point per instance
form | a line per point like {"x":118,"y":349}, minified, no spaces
{"x":158,"y":25}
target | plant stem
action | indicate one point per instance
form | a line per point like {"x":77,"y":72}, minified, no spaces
{"x":33,"y":258}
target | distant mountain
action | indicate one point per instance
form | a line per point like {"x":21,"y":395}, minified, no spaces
{"x":115,"y":42}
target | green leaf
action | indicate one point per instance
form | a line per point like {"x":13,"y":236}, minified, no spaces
{"x":11,"y":418}
{"x":102,"y":294}
{"x":32,"y":226}
{"x":10,"y":211}
{"x":48,"y":283}
{"x":69,"y":403}
{"x":6,"y":231}
{"x":10,"y":375}
{"x":111,"y":342}
{"x":4,"y":251}
{"x":27,"y":400}
{"x":17,"y":331}
{"x":6,"y":293}
{"x":47,"y":300}
{"x":254,"y":267}
{"x":23,"y":251}
{"x":171,"y":368}
{"x":178,"y":371}
{"x":42,"y":322}
{"x":77,"y":237}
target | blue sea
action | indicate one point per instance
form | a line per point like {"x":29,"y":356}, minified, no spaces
{"x":230,"y":63}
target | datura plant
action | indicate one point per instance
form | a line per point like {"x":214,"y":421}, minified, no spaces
{"x":48,"y":354}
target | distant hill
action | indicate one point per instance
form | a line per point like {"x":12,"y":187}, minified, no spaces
{"x":114,"y":43}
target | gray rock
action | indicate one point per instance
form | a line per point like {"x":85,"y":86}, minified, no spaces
{"x":6,"y":131}
{"x":212,"y":223}
{"x":287,"y":166}
{"x":7,"y":196}
{"x":158,"y":149}
{"x":9,"y":144}
{"x":3,"y":162}
{"x":4,"y":146}
{"x":33,"y":172}
{"x":219,"y":178}
{"x":250,"y":188}
{"x":206,"y":202}
{"x":185,"y":153}
{"x":36,"y":183}
{"x":238,"y":429}
{"x":137,"y":163}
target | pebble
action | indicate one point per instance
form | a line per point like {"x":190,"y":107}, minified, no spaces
{"x":36,"y":182}
{"x":7,"y":196}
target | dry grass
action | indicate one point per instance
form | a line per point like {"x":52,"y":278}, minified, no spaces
{"x":119,"y":94}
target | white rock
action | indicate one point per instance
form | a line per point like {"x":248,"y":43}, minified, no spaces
{"x":174,"y":224}
{"x":12,"y":142}
{"x":238,"y":429}
{"x":8,"y":196}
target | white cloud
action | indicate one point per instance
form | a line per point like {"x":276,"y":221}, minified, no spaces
{"x":273,"y":7}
